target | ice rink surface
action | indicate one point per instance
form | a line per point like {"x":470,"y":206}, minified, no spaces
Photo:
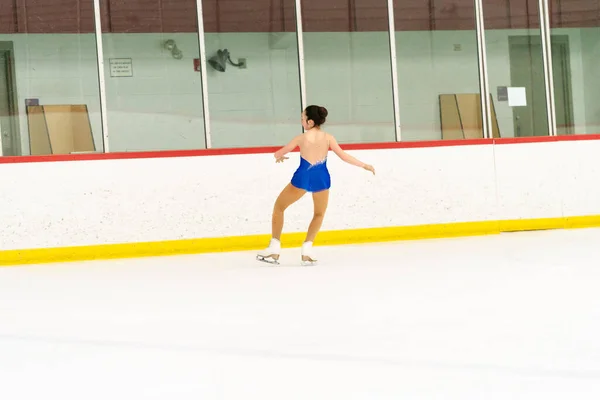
{"x":513,"y":316}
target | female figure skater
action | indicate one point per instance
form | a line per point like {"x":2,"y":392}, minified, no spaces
{"x":311,"y":176}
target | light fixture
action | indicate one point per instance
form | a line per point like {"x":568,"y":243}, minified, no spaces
{"x":171,"y":46}
{"x":219,"y":61}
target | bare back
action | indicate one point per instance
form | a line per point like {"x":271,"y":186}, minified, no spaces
{"x":314,"y":146}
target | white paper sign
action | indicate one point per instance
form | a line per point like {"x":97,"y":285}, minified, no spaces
{"x":517,"y":97}
{"x":121,"y":67}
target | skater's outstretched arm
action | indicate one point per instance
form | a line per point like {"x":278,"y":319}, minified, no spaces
{"x":279,"y":154}
{"x":333,"y":144}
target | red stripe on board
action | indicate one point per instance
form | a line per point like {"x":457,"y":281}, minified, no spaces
{"x":413,"y":145}
{"x":230,"y":151}
{"x":543,"y":139}
{"x":138,"y":154}
{"x":272,"y":149}
{"x":529,"y":139}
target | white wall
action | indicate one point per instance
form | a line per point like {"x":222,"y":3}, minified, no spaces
{"x":161,"y":106}
{"x":118,"y":201}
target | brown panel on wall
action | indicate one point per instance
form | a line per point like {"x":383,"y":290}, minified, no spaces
{"x":179,"y":16}
{"x":414,"y":15}
{"x":8,"y":16}
{"x":119,"y":16}
{"x":326,"y":16}
{"x":104,"y":15}
{"x":345,"y":15}
{"x":210,"y":15}
{"x":209,"y":8}
{"x":521,"y":14}
{"x":135,"y":16}
{"x":555,"y":17}
{"x":362,"y":15}
{"x":21,"y":16}
{"x":454,"y":14}
{"x":499,"y":14}
{"x":86,"y":16}
{"x":144,"y":16}
{"x":59,"y":16}
{"x":496,"y":14}
{"x":250,"y":16}
{"x":39,"y":140}
{"x":371,"y":15}
{"x":524,"y":14}
{"x":574,"y":13}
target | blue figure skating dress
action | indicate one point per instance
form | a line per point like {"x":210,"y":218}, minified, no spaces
{"x":312,"y":177}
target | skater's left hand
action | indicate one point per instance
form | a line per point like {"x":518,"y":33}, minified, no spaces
{"x":281,"y":159}
{"x":369,"y":168}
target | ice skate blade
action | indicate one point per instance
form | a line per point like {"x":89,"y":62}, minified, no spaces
{"x":268,"y":260}
{"x":308,"y":263}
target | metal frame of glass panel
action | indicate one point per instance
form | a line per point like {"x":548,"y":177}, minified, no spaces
{"x":548,"y":71}
{"x":394,"y":69}
{"x":484,"y":87}
{"x":482,"y":67}
{"x":203,"y":75}
{"x":300,"y":43}
{"x":101,"y":77}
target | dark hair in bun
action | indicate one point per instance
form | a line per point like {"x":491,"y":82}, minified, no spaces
{"x":317,"y":114}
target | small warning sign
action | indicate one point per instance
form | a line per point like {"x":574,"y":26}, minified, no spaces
{"x":121,"y":67}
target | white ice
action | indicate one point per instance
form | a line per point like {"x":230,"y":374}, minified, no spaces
{"x":513,"y":316}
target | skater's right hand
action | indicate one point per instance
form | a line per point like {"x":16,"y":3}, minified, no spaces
{"x":369,"y":168}
{"x":281,"y":159}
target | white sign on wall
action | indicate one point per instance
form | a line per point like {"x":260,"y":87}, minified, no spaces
{"x":517,"y":97}
{"x":121,"y":67}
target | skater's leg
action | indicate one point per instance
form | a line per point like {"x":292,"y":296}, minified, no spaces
{"x":288,"y":196}
{"x":320,"y":200}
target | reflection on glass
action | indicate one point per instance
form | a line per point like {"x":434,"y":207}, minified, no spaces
{"x":49,"y":92}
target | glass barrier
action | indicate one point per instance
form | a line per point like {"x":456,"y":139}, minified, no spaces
{"x":252,"y":72}
{"x":49,"y":90}
{"x":153,"y":85}
{"x":438,"y":71}
{"x":348,"y":67}
{"x":575,"y":38}
{"x":516,"y":68}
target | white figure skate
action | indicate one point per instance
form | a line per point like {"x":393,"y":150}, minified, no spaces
{"x":270,"y":254}
{"x":308,"y":256}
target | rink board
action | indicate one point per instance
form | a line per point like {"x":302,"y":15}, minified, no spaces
{"x":115,"y":208}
